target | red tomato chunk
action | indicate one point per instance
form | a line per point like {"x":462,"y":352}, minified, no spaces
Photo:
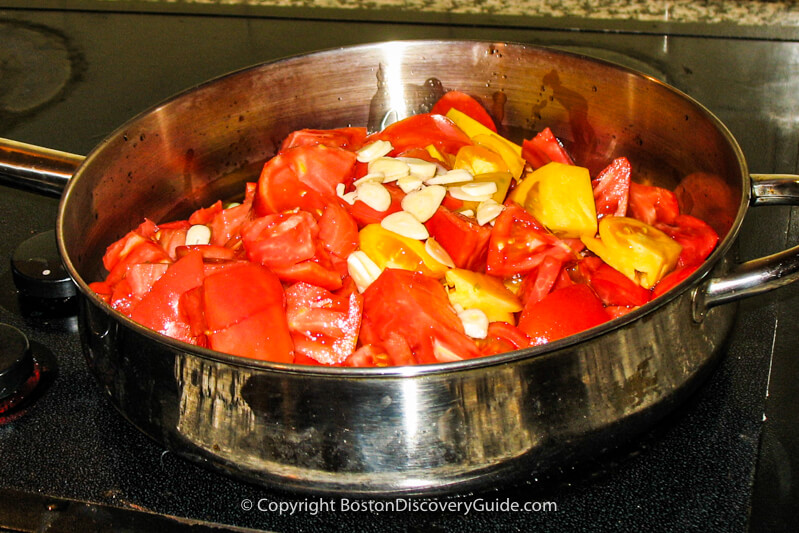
{"x":390,"y":248}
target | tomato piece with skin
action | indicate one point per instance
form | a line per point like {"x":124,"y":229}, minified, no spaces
{"x":303,"y":177}
{"x":365,"y":215}
{"x":540,"y":282}
{"x":319,"y":270}
{"x":465,"y":241}
{"x":282,"y":240}
{"x":652,"y":204}
{"x":612,"y":188}
{"x":465,"y":104}
{"x":226,"y":224}
{"x":323,"y":325}
{"x":350,"y":138}
{"x":120,"y":248}
{"x":421,"y":131}
{"x":503,"y":337}
{"x":367,"y":355}
{"x":561,"y":313}
{"x":263,"y":336}
{"x":338,"y":231}
{"x":404,"y":308}
{"x":210,"y":252}
{"x":673,"y":279}
{"x":616,"y":289}
{"x":205,"y":215}
{"x":238,"y":292}
{"x":519,"y":243}
{"x":545,"y":148}
{"x":698,"y":239}
{"x":159,"y":309}
{"x":145,"y":252}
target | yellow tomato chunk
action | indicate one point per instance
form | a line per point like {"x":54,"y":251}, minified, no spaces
{"x":505,"y":149}
{"x":479,"y":160}
{"x":561,"y":198}
{"x":392,"y":250}
{"x":473,"y":290}
{"x":473,"y":128}
{"x":641,"y":252}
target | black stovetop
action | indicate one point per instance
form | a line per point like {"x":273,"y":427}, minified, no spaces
{"x":72,"y":462}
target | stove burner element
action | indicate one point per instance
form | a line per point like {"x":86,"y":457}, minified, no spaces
{"x":45,"y":288}
{"x":19,"y":373}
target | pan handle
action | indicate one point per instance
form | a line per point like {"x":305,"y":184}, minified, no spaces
{"x":758,"y":275}
{"x":34,"y":168}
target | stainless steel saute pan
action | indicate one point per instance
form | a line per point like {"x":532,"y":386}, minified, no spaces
{"x":408,"y":429}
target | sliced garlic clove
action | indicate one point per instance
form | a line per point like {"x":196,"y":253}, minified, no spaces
{"x":372,"y":176}
{"x":480,"y":188}
{"x":374,"y":150}
{"x":467,"y":213}
{"x":198,"y":234}
{"x":349,"y":197}
{"x":374,"y":195}
{"x":405,"y":224}
{"x":419,"y":167}
{"x":437,"y":252}
{"x":487,"y":211}
{"x":410,"y":183}
{"x":474,"y":192}
{"x":458,"y":175}
{"x":422,"y":204}
{"x":475,"y":323}
{"x":362,"y":269}
{"x":392,"y":168}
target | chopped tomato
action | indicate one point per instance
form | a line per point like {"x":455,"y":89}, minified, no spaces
{"x":519,"y":243}
{"x":144,"y":252}
{"x":303,"y":177}
{"x":324,"y":325}
{"x":282,"y":240}
{"x":540,"y":282}
{"x":319,"y":270}
{"x":503,"y":337}
{"x":697,"y":239}
{"x":545,"y":148}
{"x":612,"y":188}
{"x":338,"y":231}
{"x":159,"y":310}
{"x":226,"y":224}
{"x":363,"y":214}
{"x":651,"y":204}
{"x":348,"y":138}
{"x":462,"y":237}
{"x":392,"y":250}
{"x":420,"y":131}
{"x":673,"y":279}
{"x":614,"y":288}
{"x":211,"y":252}
{"x":262,"y":336}
{"x":205,"y":215}
{"x":407,"y":308}
{"x":238,"y":292}
{"x":117,"y":251}
{"x":638,"y":250}
{"x":561,"y":313}
{"x":368,"y":355}
{"x":465,"y":104}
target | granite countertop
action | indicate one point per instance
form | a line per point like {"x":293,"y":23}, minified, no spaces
{"x":737,"y":12}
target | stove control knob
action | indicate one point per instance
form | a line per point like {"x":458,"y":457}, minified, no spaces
{"x":44,"y":285}
{"x":16,"y":362}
